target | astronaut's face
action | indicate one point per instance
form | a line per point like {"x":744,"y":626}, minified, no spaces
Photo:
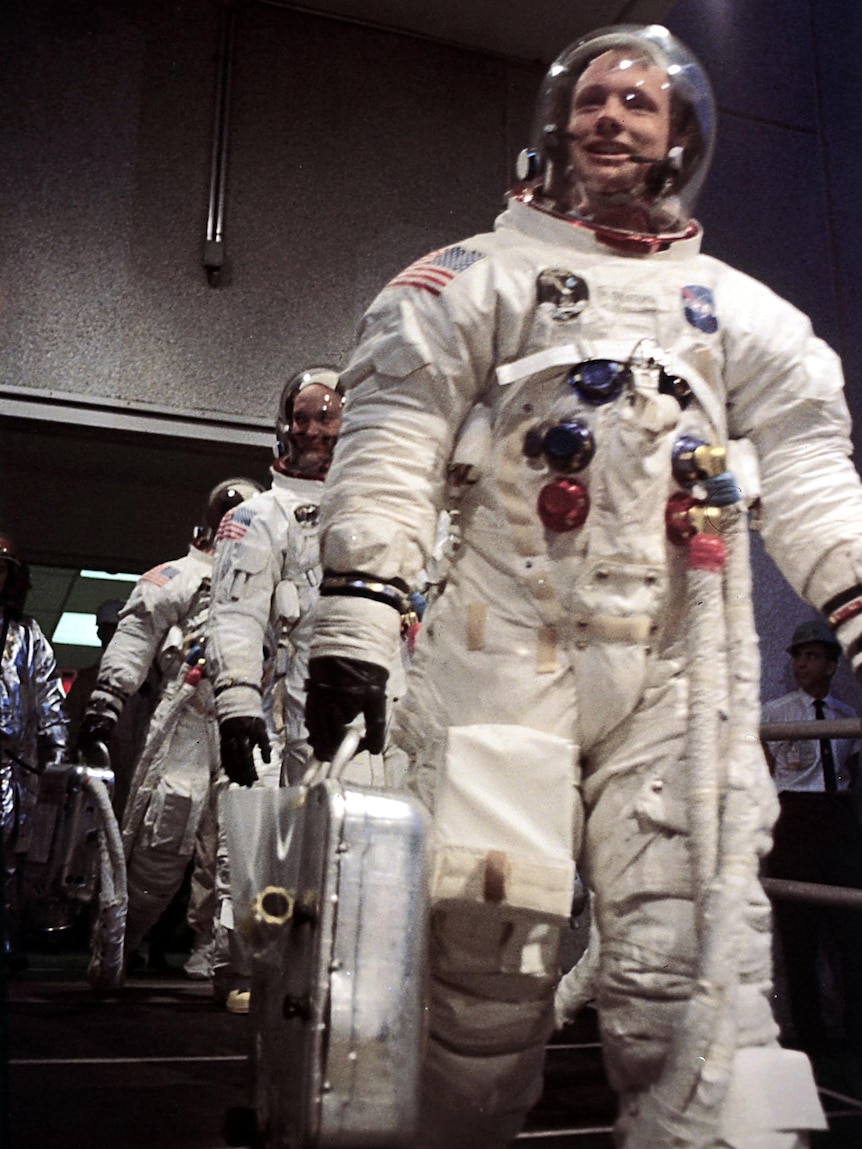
{"x":619,"y":122}
{"x":314,"y":428}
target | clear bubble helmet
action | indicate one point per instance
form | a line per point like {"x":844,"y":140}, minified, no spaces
{"x":623,"y":134}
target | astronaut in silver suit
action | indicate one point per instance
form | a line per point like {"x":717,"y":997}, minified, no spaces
{"x":581,"y":693}
{"x":32,"y":731}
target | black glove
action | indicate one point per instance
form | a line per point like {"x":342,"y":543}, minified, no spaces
{"x":239,"y":736}
{"x":96,"y":728}
{"x":338,"y":690}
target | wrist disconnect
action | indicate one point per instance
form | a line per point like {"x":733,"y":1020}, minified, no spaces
{"x":844,"y":618}
{"x":392,"y":594}
{"x":358,"y":618}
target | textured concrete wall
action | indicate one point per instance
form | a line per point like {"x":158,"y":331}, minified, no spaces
{"x":351,"y":152}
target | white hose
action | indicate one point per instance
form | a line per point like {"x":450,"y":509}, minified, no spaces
{"x":706,"y":677}
{"x":149,"y":768}
{"x":577,"y":988}
{"x":319,"y":771}
{"x":685,"y":1104}
{"x":105,"y":971}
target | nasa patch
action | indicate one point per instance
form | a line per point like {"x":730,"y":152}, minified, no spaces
{"x":699,"y":308}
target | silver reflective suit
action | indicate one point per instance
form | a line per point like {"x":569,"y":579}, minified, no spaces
{"x":552,"y":681}
{"x":33,"y":729}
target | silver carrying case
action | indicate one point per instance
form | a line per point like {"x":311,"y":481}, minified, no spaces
{"x":75,"y":859}
{"x":63,"y":859}
{"x":330,"y":885}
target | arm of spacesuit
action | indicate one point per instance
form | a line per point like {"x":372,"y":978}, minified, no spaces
{"x":159,"y":600}
{"x":785,"y":392}
{"x":409,"y":386}
{"x":246,"y":568}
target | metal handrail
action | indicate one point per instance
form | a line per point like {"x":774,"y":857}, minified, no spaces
{"x":813,"y":729}
{"x":812,"y":892}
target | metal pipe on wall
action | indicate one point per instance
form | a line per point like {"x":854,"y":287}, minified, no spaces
{"x":214,"y":252}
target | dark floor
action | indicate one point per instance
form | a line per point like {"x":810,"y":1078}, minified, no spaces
{"x":160,"y":1065}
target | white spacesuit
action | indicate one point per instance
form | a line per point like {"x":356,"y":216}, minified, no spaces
{"x":266,"y":574}
{"x":265,"y":584}
{"x":586,"y":688}
{"x":32,"y":730}
{"x":265,"y":580}
{"x":172,"y":793}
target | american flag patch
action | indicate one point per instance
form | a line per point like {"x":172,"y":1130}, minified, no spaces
{"x":234,"y":524}
{"x":160,"y":576}
{"x":435,"y":271}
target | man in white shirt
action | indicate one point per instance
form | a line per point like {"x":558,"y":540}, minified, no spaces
{"x":817,"y":839}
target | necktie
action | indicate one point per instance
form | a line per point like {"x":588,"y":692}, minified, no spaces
{"x":827,"y":758}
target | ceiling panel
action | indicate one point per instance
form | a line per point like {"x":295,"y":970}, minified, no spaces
{"x":538,"y":30}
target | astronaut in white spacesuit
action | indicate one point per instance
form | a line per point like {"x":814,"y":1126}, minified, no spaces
{"x":585,"y":690}
{"x":266,"y":575}
{"x":169,"y":805}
